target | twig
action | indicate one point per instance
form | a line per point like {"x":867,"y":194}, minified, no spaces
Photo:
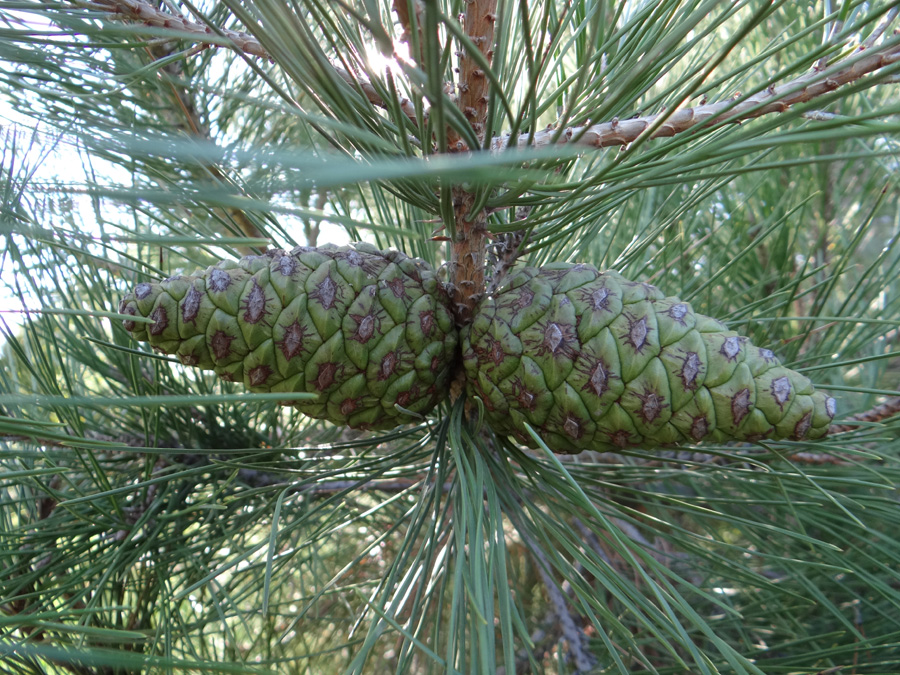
{"x":692,"y":457}
{"x":135,"y":512}
{"x":543,"y":638}
{"x":398,"y":485}
{"x":504,"y":254}
{"x":138,"y":10}
{"x":881,"y":412}
{"x":836,"y":27}
{"x":584,"y":660}
{"x":474,"y":85}
{"x":818,"y":458}
{"x":467,"y":250}
{"x":401,"y":7}
{"x":588,"y":535}
{"x":665,"y":457}
{"x":311,"y":226}
{"x":819,"y":116}
{"x":879,"y":31}
{"x":467,"y":256}
{"x":182,"y":113}
{"x":775,"y":99}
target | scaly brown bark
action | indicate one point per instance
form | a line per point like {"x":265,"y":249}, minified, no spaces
{"x":469,"y":237}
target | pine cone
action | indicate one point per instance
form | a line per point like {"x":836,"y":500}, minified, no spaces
{"x":595,"y":362}
{"x":367,"y":330}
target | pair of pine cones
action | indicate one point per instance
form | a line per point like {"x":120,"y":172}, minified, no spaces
{"x":587,"y":359}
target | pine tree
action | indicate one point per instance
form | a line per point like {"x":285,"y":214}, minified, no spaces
{"x":158,"y":518}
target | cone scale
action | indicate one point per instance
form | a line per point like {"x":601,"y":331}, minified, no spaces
{"x":593,"y":361}
{"x":369,"y":331}
{"x":589,"y":360}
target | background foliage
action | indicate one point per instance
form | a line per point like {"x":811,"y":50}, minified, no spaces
{"x":156,"y":519}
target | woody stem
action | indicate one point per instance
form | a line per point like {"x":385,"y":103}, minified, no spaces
{"x":468,"y":245}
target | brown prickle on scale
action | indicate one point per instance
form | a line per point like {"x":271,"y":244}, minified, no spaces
{"x":369,"y":331}
{"x":592,"y":361}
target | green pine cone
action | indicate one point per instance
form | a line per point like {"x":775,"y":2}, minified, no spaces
{"x":595,"y":362}
{"x":367,"y":330}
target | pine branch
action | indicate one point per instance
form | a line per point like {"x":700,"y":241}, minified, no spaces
{"x":566,"y":626}
{"x":207,"y":36}
{"x":879,"y":30}
{"x":468,"y":245}
{"x":881,"y":412}
{"x":401,"y":7}
{"x":687,"y":530}
{"x":775,"y":99}
{"x":662,"y":457}
{"x":505,"y":251}
{"x":473,"y":84}
{"x":181,"y":111}
{"x":467,"y":260}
